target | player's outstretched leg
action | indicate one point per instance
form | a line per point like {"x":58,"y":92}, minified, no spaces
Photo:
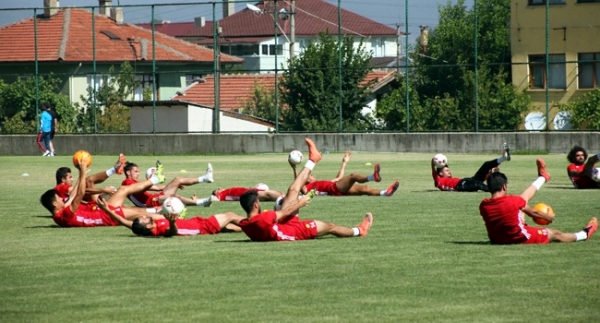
{"x":392,"y":189}
{"x":313,"y":152}
{"x":120,"y":164}
{"x":591,"y":227}
{"x":365,"y":225}
{"x":376,"y":170}
{"x":506,"y":151}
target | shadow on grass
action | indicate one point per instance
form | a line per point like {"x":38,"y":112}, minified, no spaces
{"x":234,"y":241}
{"x":42,"y":216}
{"x":51,"y":226}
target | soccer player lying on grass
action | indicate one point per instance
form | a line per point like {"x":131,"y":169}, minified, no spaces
{"x":64,"y":181}
{"x":171,"y":225}
{"x":73,"y":213}
{"x":284,"y":224}
{"x":145,"y":199}
{"x":442,"y":177}
{"x":504,"y":215}
{"x":580,"y":169}
{"x":345,"y":185}
{"x":233,"y":193}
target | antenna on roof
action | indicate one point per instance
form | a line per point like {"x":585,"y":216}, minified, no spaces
{"x":254,"y":8}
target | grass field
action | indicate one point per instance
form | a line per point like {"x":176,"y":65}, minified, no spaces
{"x":426,"y":258}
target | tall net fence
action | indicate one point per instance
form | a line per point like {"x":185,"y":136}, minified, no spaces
{"x":304,"y":65}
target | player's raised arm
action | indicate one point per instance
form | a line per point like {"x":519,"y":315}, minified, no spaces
{"x":102,"y":204}
{"x":80,"y":192}
{"x":342,"y":170}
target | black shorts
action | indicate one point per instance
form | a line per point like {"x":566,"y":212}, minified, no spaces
{"x":52,"y":134}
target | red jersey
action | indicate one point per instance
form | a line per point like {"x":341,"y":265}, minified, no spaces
{"x":580,"y":181}
{"x":324,"y":188}
{"x":62,"y":190}
{"x":264,"y":227}
{"x":188,"y":227}
{"x":142,"y":199}
{"x":502,"y":219}
{"x":233,"y":193}
{"x":87,"y":215}
{"x":444,"y":183}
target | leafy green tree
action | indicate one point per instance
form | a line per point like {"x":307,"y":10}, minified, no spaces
{"x":105,"y":106}
{"x":18,"y":104}
{"x":585,"y":112}
{"x":311,"y":87}
{"x":445,"y":73}
{"x":261,"y":104}
{"x":391,"y":111}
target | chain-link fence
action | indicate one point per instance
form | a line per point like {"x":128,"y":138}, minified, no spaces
{"x":338,"y":66}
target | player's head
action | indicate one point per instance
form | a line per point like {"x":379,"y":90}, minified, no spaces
{"x":248,"y":200}
{"x":63,"y":176}
{"x":131,"y":170}
{"x":444,"y":171}
{"x":46,"y":106}
{"x":51,"y":201}
{"x":577,"y":155}
{"x":496,"y":182}
{"x":142,"y":226}
{"x":217,"y":191}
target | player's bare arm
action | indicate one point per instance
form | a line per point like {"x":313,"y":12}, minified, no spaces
{"x":538,"y":214}
{"x":292,"y":209}
{"x":80,"y":192}
{"x":104,"y":206}
{"x":172,"y":217}
{"x":342,"y":170}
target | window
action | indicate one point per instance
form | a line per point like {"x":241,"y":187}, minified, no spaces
{"x":557,"y":74}
{"x":587,"y":1}
{"x":588,"y":70}
{"x":95,"y":81}
{"x":543,"y":2}
{"x":376,"y":47}
{"x":144,"y":91}
{"x":270,"y":50}
{"x":191,"y":78}
{"x":244,"y":49}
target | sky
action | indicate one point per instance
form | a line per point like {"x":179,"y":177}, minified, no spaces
{"x":388,"y":12}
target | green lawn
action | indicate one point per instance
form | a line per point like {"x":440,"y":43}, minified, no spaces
{"x":426,"y":258}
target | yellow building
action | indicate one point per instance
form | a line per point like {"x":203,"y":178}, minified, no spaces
{"x":573,"y":47}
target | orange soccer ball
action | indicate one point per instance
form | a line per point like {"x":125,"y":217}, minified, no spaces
{"x":543,"y":207}
{"x":82,"y":154}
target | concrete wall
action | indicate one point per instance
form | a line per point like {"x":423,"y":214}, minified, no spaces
{"x":164,"y":144}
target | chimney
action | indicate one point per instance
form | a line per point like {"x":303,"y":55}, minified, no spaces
{"x":117,"y":15}
{"x":50,"y":8}
{"x":228,"y":8}
{"x":105,"y":7}
{"x":200,"y":22}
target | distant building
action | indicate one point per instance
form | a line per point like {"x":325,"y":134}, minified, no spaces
{"x":251,"y":35}
{"x":79,"y":48}
{"x":574,"y":48}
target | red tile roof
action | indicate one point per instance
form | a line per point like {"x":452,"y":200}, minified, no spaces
{"x":236,"y":89}
{"x":175,"y":29}
{"x":312,"y":17}
{"x":67,"y":36}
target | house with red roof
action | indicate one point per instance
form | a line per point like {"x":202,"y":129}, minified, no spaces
{"x":80,"y":47}
{"x":250,"y":33}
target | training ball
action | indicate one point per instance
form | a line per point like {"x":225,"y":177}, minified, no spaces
{"x":440,"y":160}
{"x":150,"y":172}
{"x":262,"y":187}
{"x":543,"y":207}
{"x":172,"y":205}
{"x":295,"y":157}
{"x":80,"y":155}
{"x":596,"y":174}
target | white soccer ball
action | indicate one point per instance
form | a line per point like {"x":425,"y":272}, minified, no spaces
{"x":172,"y":205}
{"x":262,"y":187}
{"x":440,"y":160}
{"x":295,"y":157}
{"x":150,"y":172}
{"x":596,"y":174}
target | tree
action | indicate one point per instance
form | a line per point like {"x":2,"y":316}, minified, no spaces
{"x":585,"y":112}
{"x":445,"y":73}
{"x":261,"y":104}
{"x":106,"y":107}
{"x":311,"y":87}
{"x":18,"y":104}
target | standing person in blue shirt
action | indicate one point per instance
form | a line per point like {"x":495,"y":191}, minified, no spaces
{"x":46,"y":129}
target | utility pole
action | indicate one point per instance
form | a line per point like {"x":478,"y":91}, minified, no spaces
{"x":398,"y":25}
{"x":292,"y":28}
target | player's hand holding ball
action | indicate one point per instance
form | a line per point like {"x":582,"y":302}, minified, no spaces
{"x":544,"y":208}
{"x":440,"y":160}
{"x":82,"y":157}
